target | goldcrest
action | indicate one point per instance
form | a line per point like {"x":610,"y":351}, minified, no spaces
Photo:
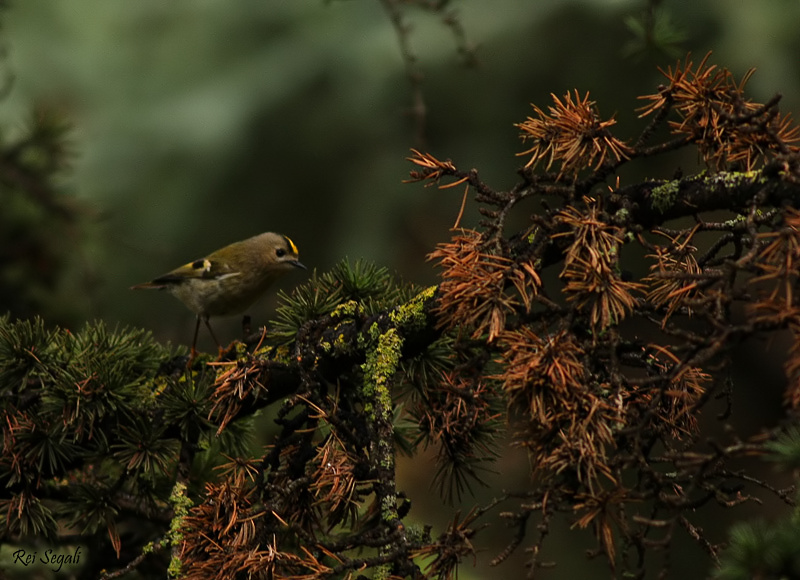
{"x":228,"y":281}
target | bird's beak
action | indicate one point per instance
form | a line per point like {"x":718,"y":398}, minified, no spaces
{"x":298,"y":264}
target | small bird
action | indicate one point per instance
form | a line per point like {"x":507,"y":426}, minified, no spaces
{"x":228,"y":281}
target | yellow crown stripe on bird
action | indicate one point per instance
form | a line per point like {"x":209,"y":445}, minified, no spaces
{"x":290,"y":243}
{"x":230,"y":279}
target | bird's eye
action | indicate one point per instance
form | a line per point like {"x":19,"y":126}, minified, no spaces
{"x":280,"y":252}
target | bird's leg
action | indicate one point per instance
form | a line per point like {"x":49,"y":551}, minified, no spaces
{"x":193,"y":354}
{"x":214,"y":336}
{"x":211,"y":330}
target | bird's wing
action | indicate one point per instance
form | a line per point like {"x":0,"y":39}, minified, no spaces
{"x":203,"y":269}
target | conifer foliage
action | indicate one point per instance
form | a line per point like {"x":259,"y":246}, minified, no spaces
{"x":604,"y":367}
{"x":606,"y":374}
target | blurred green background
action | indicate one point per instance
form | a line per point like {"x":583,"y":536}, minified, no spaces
{"x":200,"y":122}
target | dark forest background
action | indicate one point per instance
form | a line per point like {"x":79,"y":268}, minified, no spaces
{"x":192,"y":124}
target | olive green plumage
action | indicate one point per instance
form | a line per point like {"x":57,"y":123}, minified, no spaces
{"x":229,"y":280}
